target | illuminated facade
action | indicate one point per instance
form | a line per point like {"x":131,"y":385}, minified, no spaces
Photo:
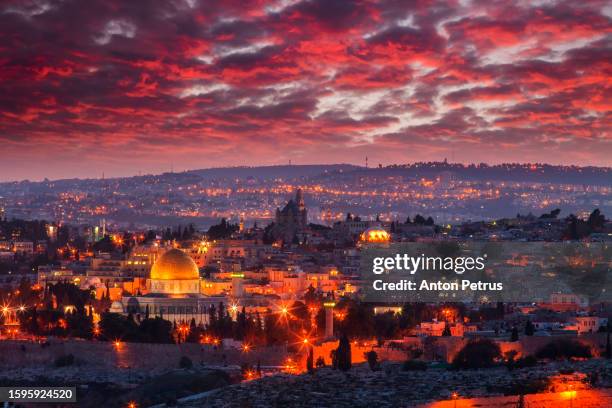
{"x":375,"y":235}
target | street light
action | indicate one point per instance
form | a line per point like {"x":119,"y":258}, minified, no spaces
{"x":454,"y":395}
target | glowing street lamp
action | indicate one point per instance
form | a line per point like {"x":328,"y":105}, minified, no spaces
{"x":249,"y":375}
{"x":454,"y":396}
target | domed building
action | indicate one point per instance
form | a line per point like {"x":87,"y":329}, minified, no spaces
{"x":173,"y":291}
{"x":374,"y":235}
{"x":175,"y":273}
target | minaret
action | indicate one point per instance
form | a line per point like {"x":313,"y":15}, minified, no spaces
{"x":237,"y":285}
{"x":329,"y":318}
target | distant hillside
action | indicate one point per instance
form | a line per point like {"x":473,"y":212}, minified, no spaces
{"x":293,"y":171}
{"x":541,"y":173}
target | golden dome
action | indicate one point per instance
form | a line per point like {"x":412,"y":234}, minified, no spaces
{"x":375,"y":235}
{"x":175,"y":264}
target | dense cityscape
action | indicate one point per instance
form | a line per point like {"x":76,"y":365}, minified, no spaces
{"x":305,"y":203}
{"x":267,"y":298}
{"x":448,"y":192}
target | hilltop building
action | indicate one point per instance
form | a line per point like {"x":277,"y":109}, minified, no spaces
{"x":291,"y":222}
{"x":294,"y":214}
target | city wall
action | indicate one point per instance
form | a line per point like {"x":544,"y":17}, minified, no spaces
{"x":155,"y":357}
{"x":140,"y":356}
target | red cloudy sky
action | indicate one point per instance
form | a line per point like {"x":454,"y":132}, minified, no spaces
{"x":126,"y":86}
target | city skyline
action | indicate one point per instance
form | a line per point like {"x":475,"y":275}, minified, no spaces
{"x":147,"y":88}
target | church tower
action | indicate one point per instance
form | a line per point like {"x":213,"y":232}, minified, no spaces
{"x":299,"y":199}
{"x":302,"y":214}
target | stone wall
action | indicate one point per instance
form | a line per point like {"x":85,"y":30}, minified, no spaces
{"x":131,"y":355}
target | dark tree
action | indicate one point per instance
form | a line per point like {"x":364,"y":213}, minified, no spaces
{"x":156,"y":330}
{"x":564,"y":349}
{"x":480,"y":353}
{"x":343,"y":354}
{"x":419,"y":219}
{"x":551,"y":215}
{"x":320,"y":362}
{"x":529,"y":328}
{"x":333,"y":355}
{"x":310,"y":361}
{"x":515,"y":334}
{"x":223,"y":230}
{"x":372,"y":358}
{"x":596,"y":220}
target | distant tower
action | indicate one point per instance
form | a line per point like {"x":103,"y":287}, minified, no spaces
{"x":329,"y":318}
{"x":302,"y":214}
{"x":241,"y":225}
{"x":366,"y":162}
{"x":299,"y":199}
{"x":237,"y":285}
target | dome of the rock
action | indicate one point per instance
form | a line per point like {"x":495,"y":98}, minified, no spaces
{"x":175,"y":265}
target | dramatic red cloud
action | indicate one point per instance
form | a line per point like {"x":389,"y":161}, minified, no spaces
{"x":139,"y":86}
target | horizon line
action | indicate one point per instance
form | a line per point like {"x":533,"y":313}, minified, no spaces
{"x":375,"y":167}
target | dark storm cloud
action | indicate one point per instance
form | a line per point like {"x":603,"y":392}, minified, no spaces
{"x":326,"y":78}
